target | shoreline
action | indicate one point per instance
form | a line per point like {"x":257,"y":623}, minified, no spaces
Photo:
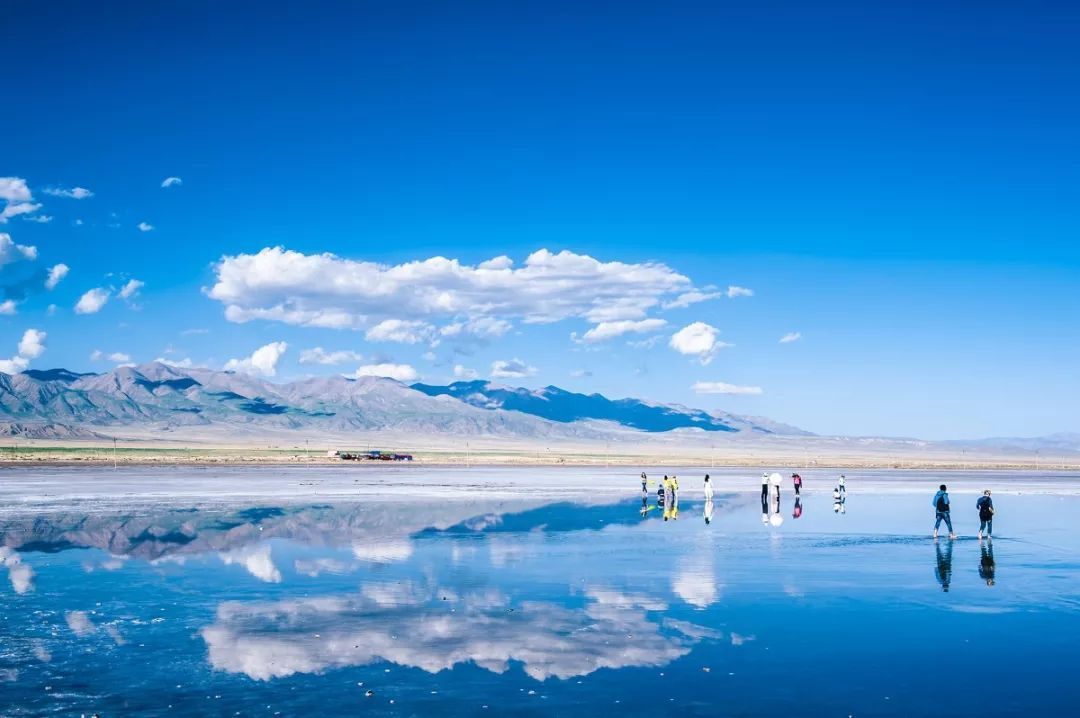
{"x":71,"y":458}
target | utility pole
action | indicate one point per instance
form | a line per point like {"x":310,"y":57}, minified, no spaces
{"x":114,"y":453}
{"x":466,"y":454}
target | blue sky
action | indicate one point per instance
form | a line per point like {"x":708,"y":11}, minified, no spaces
{"x":897,"y":185}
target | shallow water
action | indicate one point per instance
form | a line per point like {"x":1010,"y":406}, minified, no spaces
{"x":263,"y":592}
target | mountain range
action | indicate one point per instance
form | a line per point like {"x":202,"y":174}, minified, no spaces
{"x":164,"y":400}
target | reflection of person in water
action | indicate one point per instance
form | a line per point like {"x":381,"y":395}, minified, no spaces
{"x":797,"y":511}
{"x":660,"y":494}
{"x":708,"y":510}
{"x":986,"y":563}
{"x":644,"y":505}
{"x":943,"y":570}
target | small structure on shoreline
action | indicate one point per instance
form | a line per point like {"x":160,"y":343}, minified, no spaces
{"x":369,"y":456}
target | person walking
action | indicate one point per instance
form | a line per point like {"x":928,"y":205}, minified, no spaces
{"x":941,"y":507}
{"x":797,"y":480}
{"x":986,"y":514}
{"x":708,"y":489}
{"x":843,"y":484}
{"x":644,"y":483}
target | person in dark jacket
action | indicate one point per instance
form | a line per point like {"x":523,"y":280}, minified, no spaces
{"x":986,"y":514}
{"x":941,"y":507}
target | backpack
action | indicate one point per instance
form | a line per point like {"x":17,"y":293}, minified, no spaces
{"x":943,"y":503}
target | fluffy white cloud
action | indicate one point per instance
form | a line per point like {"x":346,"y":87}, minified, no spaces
{"x":256,"y":560}
{"x":20,"y":574}
{"x":402,"y":331}
{"x":734,"y":291}
{"x":171,"y":182}
{"x":145,"y":226}
{"x":408,"y":628}
{"x":401,"y":372}
{"x":464,"y":372}
{"x":318,"y":355}
{"x":609,"y":330}
{"x":74,"y":193}
{"x":791,"y":337}
{"x":719,"y":387}
{"x":7,"y":307}
{"x":699,"y":340}
{"x":263,"y":360}
{"x":14,"y":189}
{"x":120,"y":357}
{"x":511,"y":369}
{"x":328,"y":291}
{"x":479,"y":327}
{"x":11,"y":252}
{"x":32,"y":344}
{"x":56,"y":275}
{"x":131,"y":289}
{"x":17,"y":198}
{"x":92,"y":301}
{"x":40,"y":218}
{"x":80,"y":623}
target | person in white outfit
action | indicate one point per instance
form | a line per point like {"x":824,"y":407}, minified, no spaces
{"x":775,"y":480}
{"x":708,"y":488}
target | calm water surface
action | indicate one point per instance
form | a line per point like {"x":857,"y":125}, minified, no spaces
{"x":486,"y":603}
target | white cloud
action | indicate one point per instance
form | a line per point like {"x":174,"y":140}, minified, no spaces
{"x":698,"y":339}
{"x":32,"y":344}
{"x":17,"y":198}
{"x":92,"y":301}
{"x":695,"y":582}
{"x":7,"y":307}
{"x":14,"y":189}
{"x":580,"y":373}
{"x":80,"y":623}
{"x":96,"y":355}
{"x":263,"y":360}
{"x":40,"y":218}
{"x":120,"y":357}
{"x":609,"y":330}
{"x":402,"y":331}
{"x":11,"y":252}
{"x":480,"y":328}
{"x":131,"y":289}
{"x":178,"y":363}
{"x":719,"y":387}
{"x":171,"y":182}
{"x":56,"y":274}
{"x":14,"y":209}
{"x":692,"y":297}
{"x":256,"y":560}
{"x":791,"y":337}
{"x":328,"y":291}
{"x":74,"y":193}
{"x":464,"y":372}
{"x":511,"y":369}
{"x":645,"y":343}
{"x":318,"y":355}
{"x":20,"y":574}
{"x":145,"y":226}
{"x":401,"y":372}
{"x":734,"y":291}
{"x":404,"y":626}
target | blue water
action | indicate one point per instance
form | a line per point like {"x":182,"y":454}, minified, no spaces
{"x":489,"y":607}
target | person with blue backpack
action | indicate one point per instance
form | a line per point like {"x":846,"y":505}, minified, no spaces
{"x":941,"y":506}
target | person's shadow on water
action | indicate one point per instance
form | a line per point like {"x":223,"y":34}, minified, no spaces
{"x":943,"y":568}
{"x":986,"y":563}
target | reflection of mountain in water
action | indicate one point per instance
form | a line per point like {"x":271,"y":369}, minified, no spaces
{"x":179,"y":532}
